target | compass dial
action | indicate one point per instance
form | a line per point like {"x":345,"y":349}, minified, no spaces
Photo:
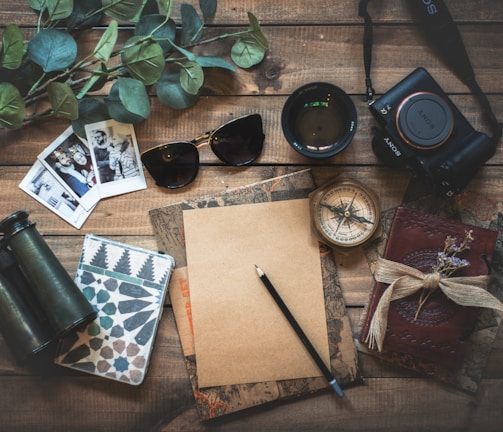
{"x":345,"y":213}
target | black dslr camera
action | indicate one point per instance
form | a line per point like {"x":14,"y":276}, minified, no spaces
{"x":424,"y":131}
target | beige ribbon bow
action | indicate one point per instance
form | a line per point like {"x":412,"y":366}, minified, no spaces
{"x":405,"y":280}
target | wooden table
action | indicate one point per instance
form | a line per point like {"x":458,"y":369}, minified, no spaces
{"x":309,"y":41}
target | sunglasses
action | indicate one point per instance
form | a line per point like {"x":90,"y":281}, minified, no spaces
{"x":238,"y":142}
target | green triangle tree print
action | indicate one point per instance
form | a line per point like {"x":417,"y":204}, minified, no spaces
{"x":123,"y":265}
{"x":147,"y":271}
{"x":100,"y":259}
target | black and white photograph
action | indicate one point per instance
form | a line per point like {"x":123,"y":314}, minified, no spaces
{"x":41,"y":185}
{"x":115,"y":154}
{"x":69,"y":159}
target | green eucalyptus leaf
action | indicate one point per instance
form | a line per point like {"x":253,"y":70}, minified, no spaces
{"x":91,"y":110}
{"x":150,"y":8}
{"x":12,"y":108}
{"x":97,"y":80}
{"x":192,"y":25}
{"x":191,"y":77}
{"x":186,"y":53}
{"x":85,"y":14}
{"x":13,"y":47}
{"x":165,"y":31}
{"x":171,"y":94}
{"x":106,"y":45}
{"x":53,"y":50}
{"x":167,"y":6}
{"x":211,"y":61}
{"x":124,"y":10}
{"x":255,"y":31}
{"x":63,"y":101}
{"x":37,"y":5}
{"x":140,"y":12}
{"x":122,"y":107}
{"x":134,"y":96}
{"x":247,"y":53}
{"x":208,"y":8}
{"x":144,"y":59}
{"x":59,"y":9}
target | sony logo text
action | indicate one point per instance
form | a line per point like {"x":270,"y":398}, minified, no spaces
{"x":430,"y":7}
{"x":392,"y":147}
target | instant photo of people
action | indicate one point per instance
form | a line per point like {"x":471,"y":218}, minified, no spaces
{"x":68,"y":158}
{"x":41,"y":185}
{"x":115,"y":154}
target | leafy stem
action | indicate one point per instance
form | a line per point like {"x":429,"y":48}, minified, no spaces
{"x":47,"y":67}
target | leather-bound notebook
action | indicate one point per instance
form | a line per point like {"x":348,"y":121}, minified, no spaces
{"x":436,"y":337}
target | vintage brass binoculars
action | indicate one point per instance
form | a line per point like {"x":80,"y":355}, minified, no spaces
{"x":39,"y":301}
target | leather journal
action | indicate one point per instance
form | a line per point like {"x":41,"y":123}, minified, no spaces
{"x":435,"y":338}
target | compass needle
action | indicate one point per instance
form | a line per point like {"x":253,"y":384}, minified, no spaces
{"x":344,"y":213}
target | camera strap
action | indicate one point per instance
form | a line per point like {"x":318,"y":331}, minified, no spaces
{"x":444,"y":37}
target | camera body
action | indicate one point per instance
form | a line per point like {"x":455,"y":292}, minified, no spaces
{"x":422,"y":129}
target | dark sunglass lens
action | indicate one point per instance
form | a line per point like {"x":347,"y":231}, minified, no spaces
{"x":173,"y":165}
{"x":240,"y":141}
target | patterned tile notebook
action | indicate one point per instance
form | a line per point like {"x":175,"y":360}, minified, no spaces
{"x":127,"y":286}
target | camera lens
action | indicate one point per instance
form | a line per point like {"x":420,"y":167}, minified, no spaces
{"x":424,"y":120}
{"x":319,"y":120}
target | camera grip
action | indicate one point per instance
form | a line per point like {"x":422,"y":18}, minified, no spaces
{"x":385,"y":149}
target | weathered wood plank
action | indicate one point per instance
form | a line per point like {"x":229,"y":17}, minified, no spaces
{"x":21,"y":147}
{"x":71,"y":401}
{"x":300,"y":54}
{"x":296,"y":11}
{"x":161,"y":404}
{"x":128,"y":214}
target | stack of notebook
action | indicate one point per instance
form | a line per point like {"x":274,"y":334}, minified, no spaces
{"x":176,"y":232}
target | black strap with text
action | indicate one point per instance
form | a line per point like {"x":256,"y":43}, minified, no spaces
{"x":443,"y":35}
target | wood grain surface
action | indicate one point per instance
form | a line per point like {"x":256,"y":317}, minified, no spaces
{"x":309,"y":41}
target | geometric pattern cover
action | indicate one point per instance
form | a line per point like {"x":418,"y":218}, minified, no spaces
{"x":126,"y":285}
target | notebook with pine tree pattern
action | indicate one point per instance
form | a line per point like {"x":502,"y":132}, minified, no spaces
{"x":127,"y":286}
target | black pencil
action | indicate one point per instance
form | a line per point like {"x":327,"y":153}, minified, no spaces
{"x":293,"y":322}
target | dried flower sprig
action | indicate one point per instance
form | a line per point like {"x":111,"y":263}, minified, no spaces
{"x":448,"y":262}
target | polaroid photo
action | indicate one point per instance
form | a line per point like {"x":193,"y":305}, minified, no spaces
{"x":116,"y":155}
{"x":69,"y":160}
{"x":41,"y":185}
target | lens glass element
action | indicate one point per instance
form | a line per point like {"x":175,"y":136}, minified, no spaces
{"x":319,"y":120}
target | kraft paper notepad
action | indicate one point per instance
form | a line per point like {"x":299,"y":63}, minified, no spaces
{"x":241,"y":336}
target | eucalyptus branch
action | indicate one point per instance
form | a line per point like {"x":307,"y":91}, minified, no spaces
{"x":40,"y":88}
{"x":37,"y":116}
{"x":47,"y":68}
{"x":35,"y":86}
{"x":217,"y":38}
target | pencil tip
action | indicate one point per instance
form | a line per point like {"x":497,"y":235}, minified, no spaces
{"x":259,"y":270}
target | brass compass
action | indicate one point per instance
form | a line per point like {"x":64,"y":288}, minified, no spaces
{"x":345,"y":213}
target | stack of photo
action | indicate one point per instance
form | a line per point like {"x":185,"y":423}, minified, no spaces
{"x":72,"y":174}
